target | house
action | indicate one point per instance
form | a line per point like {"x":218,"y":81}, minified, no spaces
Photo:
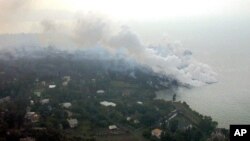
{"x":52,"y":86}
{"x":139,"y":102}
{"x":5,"y":99}
{"x":136,"y":121}
{"x":65,"y":83}
{"x":37,"y":79}
{"x":156,"y":132}
{"x":32,"y":116}
{"x":190,"y":126}
{"x":31,"y":102}
{"x":37,"y":93}
{"x":100,"y":91}
{"x":112,"y":127}
{"x":93,"y":80}
{"x":72,"y":122}
{"x":44,"y":101}
{"x":106,"y":103}
{"x":69,"y":113}
{"x":67,"y":78}
{"x":128,"y":118}
{"x":126,"y":93}
{"x":43,"y":83}
{"x":66,"y":105}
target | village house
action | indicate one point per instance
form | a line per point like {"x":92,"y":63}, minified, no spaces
{"x":37,"y":93}
{"x":66,"y":105}
{"x":72,"y":122}
{"x":52,"y":86}
{"x":69,"y":113}
{"x":139,"y":102}
{"x":156,"y":132}
{"x":43,"y":83}
{"x":136,"y":121}
{"x":93,"y":80}
{"x":128,"y":118}
{"x":31,"y":102}
{"x":107,"y":104}
{"x":32,"y":116}
{"x":5,"y":99}
{"x":44,"y":101}
{"x":65,"y":83}
{"x":67,"y":78}
{"x":112,"y":127}
{"x":100,"y":91}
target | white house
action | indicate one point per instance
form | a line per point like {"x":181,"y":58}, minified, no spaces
{"x":31,"y":102}
{"x":72,"y":122}
{"x":139,"y":102}
{"x":52,"y":86}
{"x":65,"y":83}
{"x":106,"y":103}
{"x":128,"y":118}
{"x":100,"y":91}
{"x":32,"y":116}
{"x":37,"y":93}
{"x":44,"y":101}
{"x":112,"y":127}
{"x":66,"y":105}
{"x":156,"y":132}
{"x":5,"y":99}
{"x":67,"y":78}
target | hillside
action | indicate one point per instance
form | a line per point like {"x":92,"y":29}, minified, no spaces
{"x":62,"y":96}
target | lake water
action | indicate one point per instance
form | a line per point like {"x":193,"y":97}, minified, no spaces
{"x":227,"y":101}
{"x":223,"y":44}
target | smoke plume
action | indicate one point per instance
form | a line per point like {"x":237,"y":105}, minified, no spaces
{"x":93,"y":32}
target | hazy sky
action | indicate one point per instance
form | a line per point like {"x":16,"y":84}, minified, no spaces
{"x":25,"y":15}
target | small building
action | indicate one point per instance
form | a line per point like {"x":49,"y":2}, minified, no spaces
{"x":136,"y":121}
{"x":31,"y":102}
{"x":190,"y":126}
{"x":5,"y":99}
{"x":139,"y":102}
{"x":52,"y":86}
{"x":37,"y":93}
{"x":93,"y":80}
{"x":128,"y":118}
{"x":66,"y":105}
{"x":32,"y":116}
{"x":112,"y":127}
{"x":2,"y":72}
{"x":43,"y":83}
{"x":72,"y":122}
{"x":44,"y":101}
{"x":156,"y":132}
{"x":67,"y":78}
{"x":69,"y":113}
{"x":106,"y":103}
{"x":100,"y":91}
{"x":65,"y":83}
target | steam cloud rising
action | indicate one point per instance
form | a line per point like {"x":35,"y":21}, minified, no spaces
{"x":93,"y":32}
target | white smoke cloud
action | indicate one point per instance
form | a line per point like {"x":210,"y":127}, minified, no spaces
{"x":169,"y":59}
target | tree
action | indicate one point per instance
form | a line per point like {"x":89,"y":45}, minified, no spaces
{"x":173,"y":125}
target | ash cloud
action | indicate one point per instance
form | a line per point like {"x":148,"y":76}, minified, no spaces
{"x":104,"y":38}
